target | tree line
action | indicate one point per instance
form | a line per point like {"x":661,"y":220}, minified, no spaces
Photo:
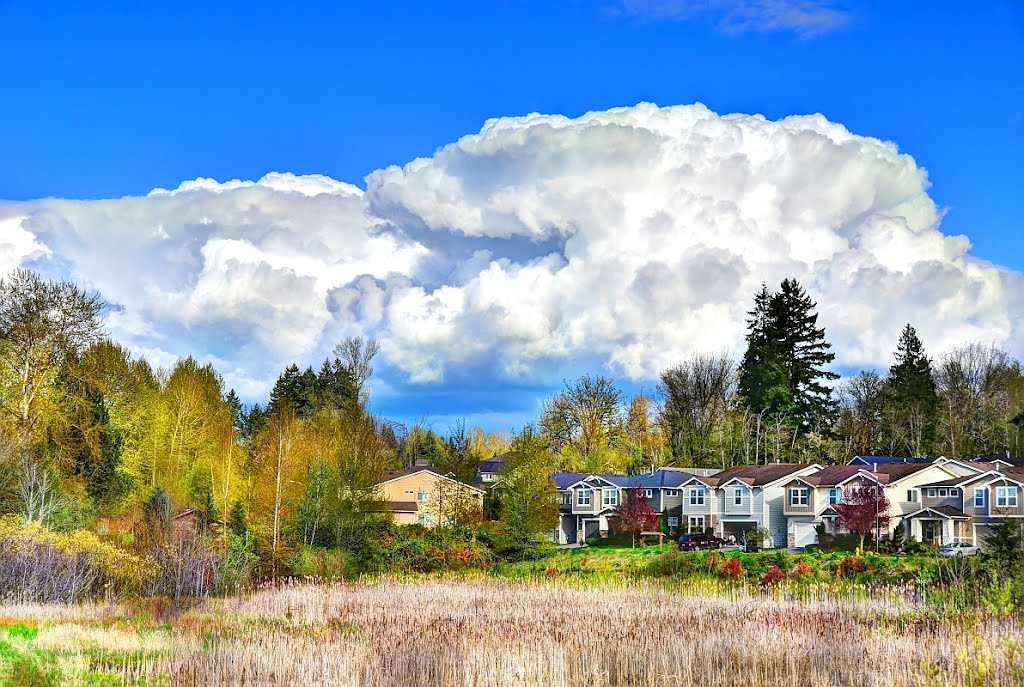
{"x":90,"y":432}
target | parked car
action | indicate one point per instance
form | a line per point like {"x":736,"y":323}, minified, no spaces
{"x":697,"y":541}
{"x":958,"y":549}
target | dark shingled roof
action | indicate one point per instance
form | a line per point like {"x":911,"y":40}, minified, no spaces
{"x":402,"y":506}
{"x":757,"y":475}
{"x":495,"y":464}
{"x":886,"y":460}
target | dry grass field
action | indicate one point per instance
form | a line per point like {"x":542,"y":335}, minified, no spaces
{"x":485,"y":633}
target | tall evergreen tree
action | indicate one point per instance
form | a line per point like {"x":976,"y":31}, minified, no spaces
{"x":762,"y":381}
{"x":783,"y":369}
{"x":912,"y":402}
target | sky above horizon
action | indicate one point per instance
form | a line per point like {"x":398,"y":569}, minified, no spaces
{"x":396,"y":184}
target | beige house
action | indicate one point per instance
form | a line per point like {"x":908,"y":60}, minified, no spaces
{"x":424,"y":497}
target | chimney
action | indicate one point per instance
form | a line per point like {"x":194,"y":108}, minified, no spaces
{"x":874,"y":466}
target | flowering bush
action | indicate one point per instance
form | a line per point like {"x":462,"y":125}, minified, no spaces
{"x":854,"y":564}
{"x":773,"y":575}
{"x":732,"y":568}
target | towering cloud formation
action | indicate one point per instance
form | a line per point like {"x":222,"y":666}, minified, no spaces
{"x":624,"y":238}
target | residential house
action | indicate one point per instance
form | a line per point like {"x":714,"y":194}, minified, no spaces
{"x":871,"y":461}
{"x":811,"y":500}
{"x":488,"y":471}
{"x":745,"y":497}
{"x":586,"y":502}
{"x":424,"y":497}
{"x":963,"y":508}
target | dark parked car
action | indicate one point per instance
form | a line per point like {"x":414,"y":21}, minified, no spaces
{"x":697,"y":541}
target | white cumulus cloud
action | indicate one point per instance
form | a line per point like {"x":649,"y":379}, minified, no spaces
{"x":620,"y":240}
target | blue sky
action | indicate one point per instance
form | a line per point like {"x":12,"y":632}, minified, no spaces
{"x":111,"y":100}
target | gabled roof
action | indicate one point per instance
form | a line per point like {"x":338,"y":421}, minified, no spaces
{"x":1014,"y":475}
{"x":1011,"y":460}
{"x":887,"y":460}
{"x":947,"y":512}
{"x":567,"y":480}
{"x":662,"y":478}
{"x":836,"y":475}
{"x":759,"y":475}
{"x":399,"y":474}
{"x":495,"y":464}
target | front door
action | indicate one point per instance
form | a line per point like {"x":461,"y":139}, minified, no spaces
{"x":931,"y":531}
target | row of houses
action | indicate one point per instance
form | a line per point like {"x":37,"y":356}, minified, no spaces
{"x":937,"y":501}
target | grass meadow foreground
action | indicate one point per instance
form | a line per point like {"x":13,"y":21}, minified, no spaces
{"x":485,"y":632}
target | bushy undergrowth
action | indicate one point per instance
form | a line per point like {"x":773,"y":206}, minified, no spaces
{"x":37,"y":564}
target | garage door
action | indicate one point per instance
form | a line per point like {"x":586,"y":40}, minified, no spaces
{"x":803,"y":534}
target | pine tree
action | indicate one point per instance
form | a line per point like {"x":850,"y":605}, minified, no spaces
{"x":783,"y":367}
{"x":912,"y":403}
{"x":762,"y":383}
{"x":803,"y":352}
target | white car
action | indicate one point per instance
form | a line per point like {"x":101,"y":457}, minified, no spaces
{"x":958,"y":549}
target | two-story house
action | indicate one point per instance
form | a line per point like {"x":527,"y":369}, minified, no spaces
{"x":585,"y":503}
{"x":488,"y":471}
{"x":963,"y":508}
{"x":424,"y":497}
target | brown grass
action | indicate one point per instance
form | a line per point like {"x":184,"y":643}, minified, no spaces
{"x":487,"y":633}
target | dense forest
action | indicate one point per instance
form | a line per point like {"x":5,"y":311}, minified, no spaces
{"x":91,"y":435}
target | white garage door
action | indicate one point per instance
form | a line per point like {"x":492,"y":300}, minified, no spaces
{"x":803,"y":534}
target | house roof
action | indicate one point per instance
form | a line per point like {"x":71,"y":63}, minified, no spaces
{"x":671,"y":478}
{"x":757,"y":475}
{"x":402,"y":506}
{"x":942,"y":511}
{"x":1014,"y":474}
{"x":494,"y":464}
{"x":1015,"y":461}
{"x":887,"y":460}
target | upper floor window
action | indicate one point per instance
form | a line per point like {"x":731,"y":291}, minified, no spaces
{"x":942,"y":493}
{"x":425,"y":519}
{"x":1006,"y":497}
{"x":671,"y":492}
{"x":697,"y":496}
{"x":979,"y":497}
{"x":911,"y":495}
{"x":835,"y":495}
{"x":422,"y":495}
{"x":649,"y":493}
{"x":583,"y":497}
{"x":799,"y":496}
{"x":610,"y":497}
{"x":487,"y":477}
{"x":737,"y":496}
{"x":931,"y":493}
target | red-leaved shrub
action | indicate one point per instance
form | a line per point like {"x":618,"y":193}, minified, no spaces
{"x":732,"y":567}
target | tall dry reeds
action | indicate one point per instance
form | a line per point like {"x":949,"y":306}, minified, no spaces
{"x":487,"y":633}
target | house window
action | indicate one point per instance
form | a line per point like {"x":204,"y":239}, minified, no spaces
{"x":649,"y":493}
{"x":422,"y":496}
{"x":409,"y":491}
{"x":979,"y":497}
{"x":835,"y":495}
{"x":425,"y":519}
{"x":487,"y":477}
{"x":737,"y":496}
{"x":931,"y":493}
{"x":696,"y":523}
{"x":671,"y":492}
{"x":583,"y":497}
{"x":1006,"y":497}
{"x":697,"y":496}
{"x":954,"y":492}
{"x":610,"y":498}
{"x":911,"y":495}
{"x":942,"y":493}
{"x":673,"y":523}
{"x":799,"y":496}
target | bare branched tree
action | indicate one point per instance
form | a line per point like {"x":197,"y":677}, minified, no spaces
{"x":698,"y":394}
{"x":357,"y":355}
